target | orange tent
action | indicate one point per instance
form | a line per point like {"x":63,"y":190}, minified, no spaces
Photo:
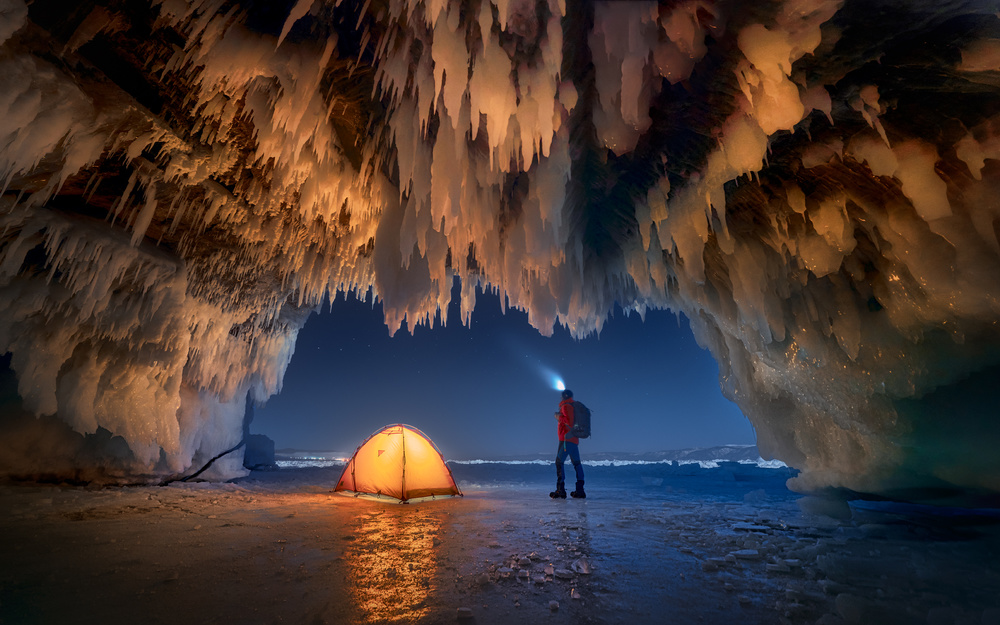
{"x":400,"y":462}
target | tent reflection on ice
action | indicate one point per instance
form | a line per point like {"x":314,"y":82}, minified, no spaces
{"x":398,"y":461}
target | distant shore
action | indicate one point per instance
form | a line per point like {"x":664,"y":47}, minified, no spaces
{"x":733,"y":453}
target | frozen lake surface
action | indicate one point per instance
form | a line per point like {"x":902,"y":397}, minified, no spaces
{"x":651,"y":544}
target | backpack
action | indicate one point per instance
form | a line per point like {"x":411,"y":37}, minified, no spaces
{"x":581,"y":421}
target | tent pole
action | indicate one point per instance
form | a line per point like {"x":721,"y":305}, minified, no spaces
{"x":402,"y":491}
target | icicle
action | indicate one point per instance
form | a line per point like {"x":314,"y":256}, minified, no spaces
{"x":145,"y":215}
{"x":298,"y":11}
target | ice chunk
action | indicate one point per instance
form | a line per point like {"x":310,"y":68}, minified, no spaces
{"x":877,"y":155}
{"x":623,"y":38}
{"x":921,"y":183}
{"x":982,"y":55}
{"x":826,"y":506}
{"x":13,"y":16}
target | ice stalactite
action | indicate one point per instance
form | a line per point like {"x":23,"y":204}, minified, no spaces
{"x":105,"y":334}
{"x":811,"y":182}
{"x":157,"y":322}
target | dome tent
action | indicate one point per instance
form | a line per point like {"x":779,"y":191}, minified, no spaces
{"x":401,"y":462}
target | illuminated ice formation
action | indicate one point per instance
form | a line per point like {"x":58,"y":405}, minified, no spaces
{"x":814,"y":183}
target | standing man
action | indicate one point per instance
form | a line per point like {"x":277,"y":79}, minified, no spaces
{"x":568,"y":446}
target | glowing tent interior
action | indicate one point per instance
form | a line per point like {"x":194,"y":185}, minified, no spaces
{"x":401,"y":462}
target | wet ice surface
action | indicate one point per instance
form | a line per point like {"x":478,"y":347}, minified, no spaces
{"x":649,"y":544}
{"x":733,"y":546}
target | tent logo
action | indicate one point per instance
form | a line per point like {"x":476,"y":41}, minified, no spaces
{"x":380,"y":452}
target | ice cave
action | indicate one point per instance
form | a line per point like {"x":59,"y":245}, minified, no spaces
{"x":815,"y":184}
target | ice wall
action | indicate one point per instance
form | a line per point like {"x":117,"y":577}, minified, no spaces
{"x":812,"y":182}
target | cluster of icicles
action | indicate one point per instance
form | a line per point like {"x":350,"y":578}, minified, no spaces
{"x":120,"y":335}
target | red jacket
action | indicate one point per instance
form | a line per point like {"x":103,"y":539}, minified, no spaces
{"x":566,"y":420}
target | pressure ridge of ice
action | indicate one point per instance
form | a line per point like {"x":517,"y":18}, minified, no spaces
{"x":186,"y":181}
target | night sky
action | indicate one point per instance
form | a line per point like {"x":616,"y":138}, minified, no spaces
{"x":483,"y":391}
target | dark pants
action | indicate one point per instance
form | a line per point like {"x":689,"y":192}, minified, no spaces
{"x":573,"y":451}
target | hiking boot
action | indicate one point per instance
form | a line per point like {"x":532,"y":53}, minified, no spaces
{"x":578,"y":494}
{"x":558,"y":494}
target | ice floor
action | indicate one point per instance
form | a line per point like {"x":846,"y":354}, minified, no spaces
{"x":650,"y":544}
